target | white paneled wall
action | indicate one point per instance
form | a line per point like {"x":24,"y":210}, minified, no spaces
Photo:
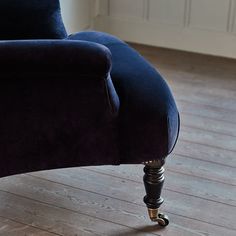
{"x":76,"y":14}
{"x":205,"y":26}
{"x":126,"y":8}
{"x":209,"y":14}
{"x":167,"y":11}
{"x":234,"y":24}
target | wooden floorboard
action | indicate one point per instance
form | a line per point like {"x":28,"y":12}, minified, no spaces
{"x":199,"y":87}
{"x":175,"y":202}
{"x":86,"y":202}
{"x":213,"y":125}
{"x":206,"y":111}
{"x":178,"y":182}
{"x":200,"y":185}
{"x":210,"y":139}
{"x":201,"y":97}
{"x":205,"y":170}
{"x":54,"y":219}
{"x":14,"y":228}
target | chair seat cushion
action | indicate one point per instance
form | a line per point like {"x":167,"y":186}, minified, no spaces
{"x":31,"y":19}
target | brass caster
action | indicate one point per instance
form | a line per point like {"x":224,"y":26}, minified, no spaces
{"x":160,"y":218}
{"x":163,"y":220}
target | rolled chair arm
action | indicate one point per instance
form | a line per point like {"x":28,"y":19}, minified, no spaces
{"x":83,"y":58}
{"x":148,"y":117}
{"x":58,"y":106}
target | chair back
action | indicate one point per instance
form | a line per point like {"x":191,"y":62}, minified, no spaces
{"x":31,"y":19}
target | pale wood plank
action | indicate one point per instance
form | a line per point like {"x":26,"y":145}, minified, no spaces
{"x":202,"y":169}
{"x":217,"y":71}
{"x":206,"y":82}
{"x":182,"y":82}
{"x":215,"y":76}
{"x":203,"y":110}
{"x":211,"y":78}
{"x":12,"y":228}
{"x":188,"y":206}
{"x":88,"y":203}
{"x":206,"y":99}
{"x":208,"y":125}
{"x":56,"y":219}
{"x":220,"y":141}
{"x":189,"y":185}
{"x":205,"y":153}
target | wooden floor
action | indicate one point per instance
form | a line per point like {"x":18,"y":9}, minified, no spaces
{"x":200,"y":187}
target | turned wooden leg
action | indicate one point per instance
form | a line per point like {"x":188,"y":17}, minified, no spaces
{"x":153,"y":181}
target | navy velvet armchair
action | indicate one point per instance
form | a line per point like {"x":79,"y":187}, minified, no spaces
{"x":79,"y":100}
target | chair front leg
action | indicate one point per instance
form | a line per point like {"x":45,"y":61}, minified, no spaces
{"x":153,"y":181}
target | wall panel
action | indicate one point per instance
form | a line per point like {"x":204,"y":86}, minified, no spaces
{"x":202,"y":26}
{"x":209,"y":14}
{"x":167,"y":11}
{"x":76,"y":14}
{"x":126,"y":8}
{"x":234,"y":16}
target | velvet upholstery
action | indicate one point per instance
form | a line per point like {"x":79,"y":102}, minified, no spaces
{"x":58,"y":106}
{"x":79,"y":57}
{"x":31,"y":19}
{"x":86,"y":99}
{"x":148,"y":118}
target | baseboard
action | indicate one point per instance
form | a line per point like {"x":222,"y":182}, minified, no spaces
{"x":169,"y":36}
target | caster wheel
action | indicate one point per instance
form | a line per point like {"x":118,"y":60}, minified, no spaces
{"x":163,"y":220}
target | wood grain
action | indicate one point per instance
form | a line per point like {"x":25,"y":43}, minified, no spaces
{"x":187,"y":205}
{"x":208,"y":125}
{"x":13,"y":228}
{"x":54,"y":219}
{"x":211,"y":139}
{"x":177,"y":182}
{"x":206,"y":153}
{"x":86,"y":202}
{"x":206,"y":111}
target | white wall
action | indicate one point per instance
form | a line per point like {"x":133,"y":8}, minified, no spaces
{"x":76,"y":14}
{"x":205,"y":26}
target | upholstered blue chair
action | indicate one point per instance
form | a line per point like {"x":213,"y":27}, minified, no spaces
{"x":79,"y":100}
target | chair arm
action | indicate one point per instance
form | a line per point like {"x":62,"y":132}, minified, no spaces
{"x":58,"y":106}
{"x":148,"y":117}
{"x":80,"y":57}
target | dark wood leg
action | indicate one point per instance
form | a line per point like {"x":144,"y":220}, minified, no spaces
{"x":153,"y":182}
